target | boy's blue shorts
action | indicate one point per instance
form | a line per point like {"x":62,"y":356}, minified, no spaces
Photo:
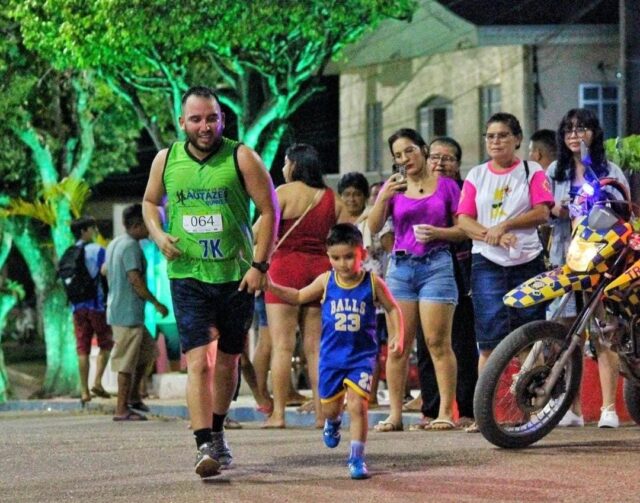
{"x":333,"y":382}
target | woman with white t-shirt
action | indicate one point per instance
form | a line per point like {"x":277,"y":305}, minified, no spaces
{"x":502,"y":203}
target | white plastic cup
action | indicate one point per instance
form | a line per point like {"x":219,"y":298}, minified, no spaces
{"x":417,"y":232}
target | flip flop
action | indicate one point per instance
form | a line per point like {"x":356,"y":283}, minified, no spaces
{"x":130,"y":416}
{"x":424,"y":422}
{"x":441,"y":425}
{"x":464,"y":422}
{"x":307,"y":407}
{"x":231,"y":424}
{"x":473,"y":428}
{"x":100,"y":392}
{"x":387,"y":426}
{"x":414,"y":405}
{"x":139,"y":406}
{"x":265,"y":409}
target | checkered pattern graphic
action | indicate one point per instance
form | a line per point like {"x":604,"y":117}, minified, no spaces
{"x":555,"y":283}
{"x":549,"y":285}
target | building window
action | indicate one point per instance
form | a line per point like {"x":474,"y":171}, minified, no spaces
{"x":604,"y":100}
{"x":374,"y":137}
{"x":435,"y":118}
{"x":490,"y":102}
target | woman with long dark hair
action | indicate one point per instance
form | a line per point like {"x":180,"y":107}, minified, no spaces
{"x":580,"y":128}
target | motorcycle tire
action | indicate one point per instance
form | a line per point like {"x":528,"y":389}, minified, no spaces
{"x":632,"y":399}
{"x":503,"y":401}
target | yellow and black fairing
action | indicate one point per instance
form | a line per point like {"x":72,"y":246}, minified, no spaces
{"x":587,"y":260}
{"x":625,"y":290}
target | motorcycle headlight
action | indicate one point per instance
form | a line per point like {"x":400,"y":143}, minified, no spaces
{"x":581,"y":253}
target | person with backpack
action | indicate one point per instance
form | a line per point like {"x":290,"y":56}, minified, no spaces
{"x":79,"y":270}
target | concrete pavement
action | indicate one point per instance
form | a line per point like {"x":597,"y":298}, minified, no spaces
{"x":86,"y":457}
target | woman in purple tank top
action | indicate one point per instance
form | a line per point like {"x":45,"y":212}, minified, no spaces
{"x":422,"y":207}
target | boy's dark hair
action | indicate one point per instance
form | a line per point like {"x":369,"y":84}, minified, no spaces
{"x":344,"y":234}
{"x":132,"y":215}
{"x":82,"y":224}
{"x":545,"y":138}
{"x":307,"y":167}
{"x":200,"y":91}
{"x":356,"y":180}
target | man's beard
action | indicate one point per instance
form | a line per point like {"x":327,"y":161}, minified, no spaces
{"x":194,"y":139}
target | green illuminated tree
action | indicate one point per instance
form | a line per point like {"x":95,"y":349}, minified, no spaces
{"x":61,"y":132}
{"x":264,"y":55}
{"x":10,"y":293}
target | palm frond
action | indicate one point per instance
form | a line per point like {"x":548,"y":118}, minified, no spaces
{"x":74,"y":190}
{"x":40,"y":210}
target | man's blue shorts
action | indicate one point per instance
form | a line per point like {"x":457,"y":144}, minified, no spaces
{"x":199,"y":306}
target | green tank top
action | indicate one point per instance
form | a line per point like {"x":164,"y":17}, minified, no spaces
{"x":208,"y":209}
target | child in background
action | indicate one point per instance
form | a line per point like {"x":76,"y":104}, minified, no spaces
{"x":348,"y":346}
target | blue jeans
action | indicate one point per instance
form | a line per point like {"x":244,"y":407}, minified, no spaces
{"x":426,"y":278}
{"x":489,"y":283}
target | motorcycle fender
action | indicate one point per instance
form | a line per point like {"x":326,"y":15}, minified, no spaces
{"x":549,"y":285}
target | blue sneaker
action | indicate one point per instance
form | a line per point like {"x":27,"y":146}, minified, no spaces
{"x":358,"y":468}
{"x":331,"y":433}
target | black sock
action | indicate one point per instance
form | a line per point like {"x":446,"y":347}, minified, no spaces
{"x":218,"y":423}
{"x":203,"y":436}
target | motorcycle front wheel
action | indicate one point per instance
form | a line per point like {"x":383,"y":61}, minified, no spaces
{"x":510,"y":407}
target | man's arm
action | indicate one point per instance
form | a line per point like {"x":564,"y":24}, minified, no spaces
{"x":260,"y":188}
{"x":296,"y":297}
{"x":140,"y":287}
{"x":151,"y":203}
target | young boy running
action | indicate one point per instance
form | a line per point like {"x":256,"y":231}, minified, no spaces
{"x":348,"y":346}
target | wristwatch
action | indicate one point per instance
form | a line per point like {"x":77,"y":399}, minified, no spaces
{"x":263,"y":267}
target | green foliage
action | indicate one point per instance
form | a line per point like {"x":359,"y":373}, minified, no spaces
{"x":625,"y":152}
{"x":264,"y":55}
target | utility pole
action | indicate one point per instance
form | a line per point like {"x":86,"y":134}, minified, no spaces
{"x":630,"y":66}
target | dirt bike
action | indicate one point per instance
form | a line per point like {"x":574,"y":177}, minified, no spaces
{"x":533,"y":376}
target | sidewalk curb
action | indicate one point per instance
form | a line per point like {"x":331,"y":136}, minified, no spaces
{"x":241,"y":413}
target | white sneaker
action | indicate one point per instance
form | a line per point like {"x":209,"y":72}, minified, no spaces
{"x":608,"y":418}
{"x":571,"y":419}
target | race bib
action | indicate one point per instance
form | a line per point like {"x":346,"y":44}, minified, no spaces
{"x":200,"y":224}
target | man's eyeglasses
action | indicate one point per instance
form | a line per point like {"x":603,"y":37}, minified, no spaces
{"x":443,"y":158}
{"x":579,"y":131}
{"x":496,"y":136}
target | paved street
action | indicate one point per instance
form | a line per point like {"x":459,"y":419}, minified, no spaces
{"x":66,"y":457}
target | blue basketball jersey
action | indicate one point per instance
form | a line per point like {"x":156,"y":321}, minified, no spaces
{"x":348,"y":324}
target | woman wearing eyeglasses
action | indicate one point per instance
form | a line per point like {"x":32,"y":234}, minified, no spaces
{"x":502,"y":203}
{"x":568,"y":174}
{"x":420,"y":276}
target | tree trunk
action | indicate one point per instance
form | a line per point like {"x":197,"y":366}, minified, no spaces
{"x":61,"y":376}
{"x":7,"y":301}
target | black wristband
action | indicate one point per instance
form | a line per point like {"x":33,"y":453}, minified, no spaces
{"x":263,"y":267}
